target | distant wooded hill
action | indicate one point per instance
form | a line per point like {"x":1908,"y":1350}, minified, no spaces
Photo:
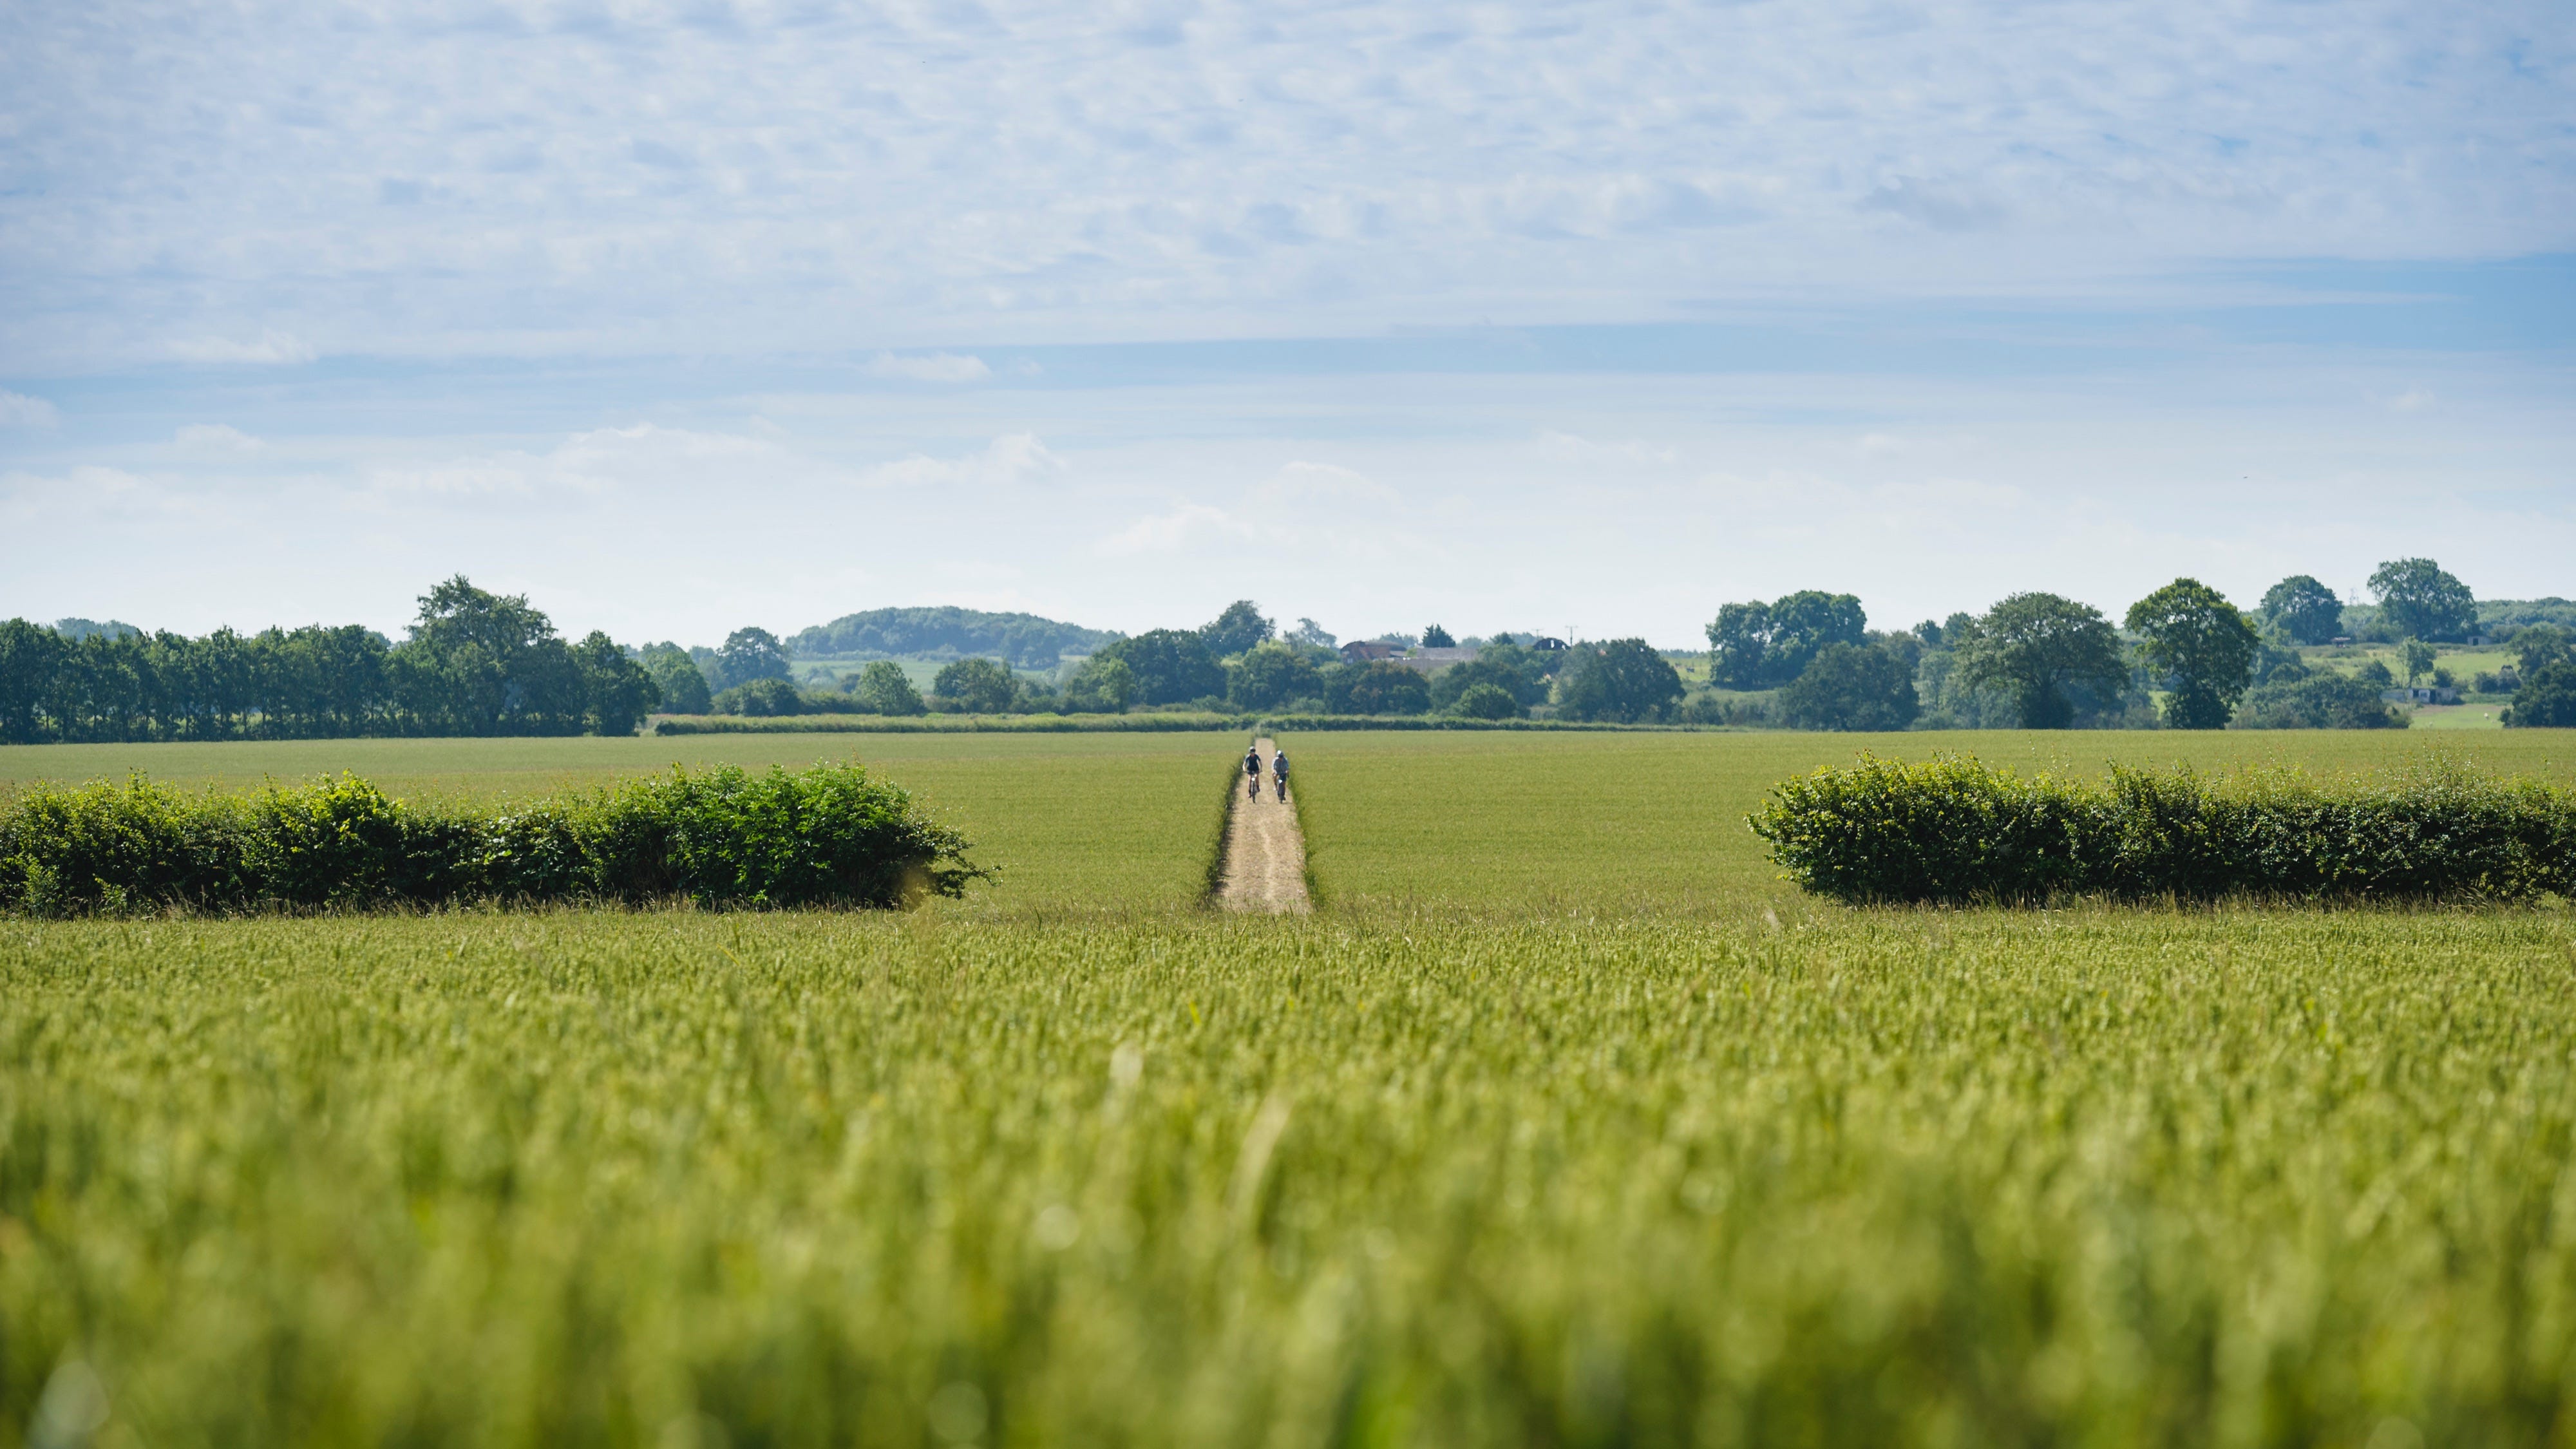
{"x":947,"y":633}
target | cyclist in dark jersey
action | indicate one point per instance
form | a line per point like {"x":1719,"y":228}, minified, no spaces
{"x":1252,"y":771}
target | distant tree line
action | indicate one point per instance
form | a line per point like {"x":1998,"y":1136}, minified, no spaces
{"x":2041,"y":661}
{"x":1021,"y":639}
{"x":476,"y":664}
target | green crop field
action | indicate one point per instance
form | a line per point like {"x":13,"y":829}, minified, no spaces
{"x":1073,"y":820}
{"x":1868,"y":1178}
{"x":1553,"y":822}
{"x":1562,"y":1122}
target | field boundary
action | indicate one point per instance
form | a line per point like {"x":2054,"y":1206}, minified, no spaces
{"x":1212,"y":890}
{"x":1047,"y":724}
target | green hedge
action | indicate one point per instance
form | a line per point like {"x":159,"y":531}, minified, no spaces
{"x":1153,"y":723}
{"x":828,"y":836}
{"x":949,"y":724}
{"x":1955,"y":831}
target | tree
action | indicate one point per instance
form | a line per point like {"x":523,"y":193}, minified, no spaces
{"x":2421,"y":601}
{"x":1100,"y":686}
{"x":684,"y":688}
{"x":1851,"y":687}
{"x":489,"y":664}
{"x":974,"y":686}
{"x":1239,"y":628}
{"x":883,"y":688}
{"x":2419,"y":660}
{"x":1171,"y":666}
{"x":2304,"y":609}
{"x":1311,"y":635}
{"x":750,"y":654}
{"x":29,"y":656}
{"x":1269,"y":675}
{"x":1436,"y":637}
{"x":617,"y":692}
{"x":1758,"y":646}
{"x":2032,"y":647}
{"x":1520,"y":673}
{"x":1380,"y":687}
{"x":1485,"y":700}
{"x":2539,"y":646}
{"x":2320,"y":701}
{"x":2202,"y":645}
{"x":2547,"y":698}
{"x":760,"y":699}
{"x":1624,"y":680}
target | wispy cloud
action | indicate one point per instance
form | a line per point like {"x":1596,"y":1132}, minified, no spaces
{"x":932,"y":367}
{"x":271,"y":347}
{"x":1232,"y":170}
{"x":17,"y":410}
{"x":217,"y":439}
{"x":1012,"y":458}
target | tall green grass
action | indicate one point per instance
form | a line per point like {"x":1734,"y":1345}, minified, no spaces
{"x":2136,"y":1177}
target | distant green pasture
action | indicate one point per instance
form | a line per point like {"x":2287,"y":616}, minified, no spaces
{"x":1656,"y":821}
{"x":1072,"y":819}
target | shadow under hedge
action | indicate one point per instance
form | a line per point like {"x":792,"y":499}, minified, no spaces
{"x":829,"y":835}
{"x":1954,"y":831}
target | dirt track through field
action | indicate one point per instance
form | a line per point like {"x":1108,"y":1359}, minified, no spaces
{"x":1265,"y":854}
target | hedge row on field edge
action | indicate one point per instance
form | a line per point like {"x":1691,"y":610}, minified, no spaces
{"x":1953,"y":830}
{"x":829,"y":835}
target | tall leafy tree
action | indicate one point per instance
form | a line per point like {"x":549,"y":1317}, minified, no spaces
{"x":2304,"y":609}
{"x":1170,"y":666}
{"x":1435,"y":637}
{"x":1239,"y":628}
{"x":1379,"y":687}
{"x":30,"y":655}
{"x":2203,"y":647}
{"x":1269,"y":675}
{"x":2539,"y":646}
{"x":750,"y":654}
{"x":883,"y":688}
{"x":683,"y":686}
{"x":975,"y":686}
{"x":2422,"y":601}
{"x":1758,"y":646}
{"x":1852,"y":687}
{"x":2033,"y":647}
{"x":2547,"y":698}
{"x":617,"y":692}
{"x":1100,"y":686}
{"x":1625,"y":680}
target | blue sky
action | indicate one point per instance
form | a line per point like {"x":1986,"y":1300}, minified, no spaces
{"x":1589,"y":316}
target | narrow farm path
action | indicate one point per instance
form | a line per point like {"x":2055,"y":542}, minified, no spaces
{"x":1265,"y":854}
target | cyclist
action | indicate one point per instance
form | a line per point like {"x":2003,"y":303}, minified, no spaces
{"x":1252,"y":771}
{"x":1279,"y":770}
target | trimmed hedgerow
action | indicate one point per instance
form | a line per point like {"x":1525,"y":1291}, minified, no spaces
{"x":827,"y":836}
{"x":1958,"y":832}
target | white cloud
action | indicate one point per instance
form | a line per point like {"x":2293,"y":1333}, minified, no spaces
{"x":216,"y":439}
{"x":932,"y":367}
{"x":1575,"y":448}
{"x":17,"y":410}
{"x":2414,"y":399}
{"x":272,"y":347}
{"x":1012,"y":458}
{"x":1191,"y":523}
{"x":608,"y":460}
{"x":932,"y":175}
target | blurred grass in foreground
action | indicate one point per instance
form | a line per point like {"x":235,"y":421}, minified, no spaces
{"x":1858,"y":1177}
